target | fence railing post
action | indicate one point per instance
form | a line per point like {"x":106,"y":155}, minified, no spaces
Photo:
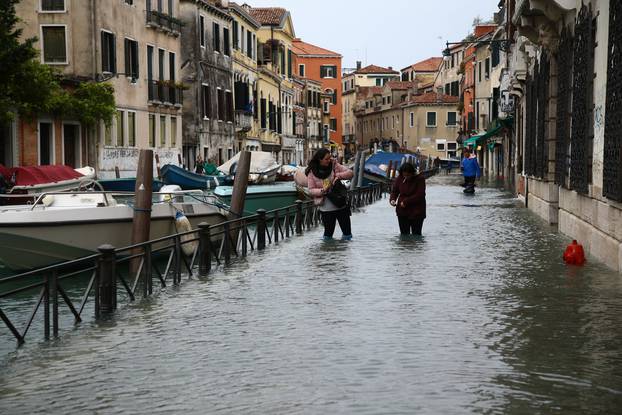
{"x":178,"y":261}
{"x":54,"y":297}
{"x":107,"y":281}
{"x":261,"y":229}
{"x":147,"y":272}
{"x":299,"y":217}
{"x":205,"y":249}
{"x":226,"y":243}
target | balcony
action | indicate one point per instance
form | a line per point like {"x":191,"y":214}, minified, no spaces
{"x":243,"y":120}
{"x":164,"y":22}
{"x":165,"y":93}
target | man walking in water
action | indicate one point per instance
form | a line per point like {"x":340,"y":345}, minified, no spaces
{"x":470,"y":171}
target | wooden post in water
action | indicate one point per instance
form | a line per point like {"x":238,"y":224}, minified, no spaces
{"x":238,"y":195}
{"x":357,"y":162}
{"x":117,"y":174}
{"x":157,"y":159}
{"x":389,"y":168}
{"x":141,"y":223}
{"x":179,"y":160}
{"x":359,"y":178}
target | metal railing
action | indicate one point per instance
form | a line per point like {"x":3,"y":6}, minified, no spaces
{"x":165,"y":260}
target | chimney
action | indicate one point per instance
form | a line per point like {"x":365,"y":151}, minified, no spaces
{"x":358,"y":65}
{"x":390,"y":68}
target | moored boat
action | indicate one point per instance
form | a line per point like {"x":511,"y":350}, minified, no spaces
{"x":65,"y":226}
{"x":187,"y":180}
{"x":41,"y":179}
{"x":265,"y":196}
{"x":126,"y":184}
{"x":263,"y":168}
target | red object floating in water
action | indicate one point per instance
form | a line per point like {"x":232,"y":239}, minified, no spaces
{"x":574,"y":254}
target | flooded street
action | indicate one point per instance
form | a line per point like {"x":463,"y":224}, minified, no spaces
{"x":480,"y":315}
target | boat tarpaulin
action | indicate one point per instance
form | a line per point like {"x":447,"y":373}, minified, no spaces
{"x":261,"y":162}
{"x":375,"y":161}
{"x":33,"y":175}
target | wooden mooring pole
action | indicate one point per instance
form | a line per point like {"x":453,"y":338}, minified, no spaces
{"x":238,"y":195}
{"x":141,"y":223}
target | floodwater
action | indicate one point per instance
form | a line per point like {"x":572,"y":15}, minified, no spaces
{"x":479,"y":315}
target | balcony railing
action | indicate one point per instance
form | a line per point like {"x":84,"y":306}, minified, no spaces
{"x":164,"y":22}
{"x":161,"y":93}
{"x":243,"y":120}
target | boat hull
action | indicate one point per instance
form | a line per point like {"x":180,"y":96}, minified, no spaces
{"x":48,"y":237}
{"x":126,"y":185}
{"x":268,"y":197}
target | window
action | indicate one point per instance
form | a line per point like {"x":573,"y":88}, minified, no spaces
{"x":131,"y":59}
{"x":479,"y":65}
{"x":229,"y":105}
{"x":431,"y":119}
{"x":120,"y":128}
{"x":236,"y":34}
{"x":161,"y":64}
{"x":173,"y":131}
{"x":412,"y":119}
{"x":206,"y":101}
{"x":109,"y":53}
{"x":202,"y":31}
{"x":152,"y":128}
{"x":333,"y":124}
{"x":326,"y":107}
{"x":162,"y":131}
{"x":52,"y":5}
{"x":301,"y":71}
{"x":216,"y":28}
{"x":46,"y":143}
{"x":487,"y":68}
{"x":221,"y":105}
{"x":440,"y":146}
{"x":54,"y":44}
{"x":328,"y":71}
{"x":225,"y":39}
{"x":171,"y":66}
{"x":325,"y":135}
{"x":378,"y":82}
{"x":249,"y":44}
{"x":130,"y":2}
{"x":452,"y":146}
{"x":451,"y":118}
{"x":170,"y":8}
{"x":131,"y":129}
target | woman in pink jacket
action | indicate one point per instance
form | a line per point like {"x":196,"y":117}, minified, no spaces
{"x":323,"y":171}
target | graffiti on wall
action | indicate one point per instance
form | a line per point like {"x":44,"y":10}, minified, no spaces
{"x":126,"y":159}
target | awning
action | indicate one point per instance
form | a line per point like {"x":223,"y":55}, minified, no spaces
{"x":471,"y":141}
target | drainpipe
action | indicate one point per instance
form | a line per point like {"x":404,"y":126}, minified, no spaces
{"x":93,"y":130}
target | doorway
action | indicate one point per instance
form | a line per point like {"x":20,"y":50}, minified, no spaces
{"x":71,"y":145}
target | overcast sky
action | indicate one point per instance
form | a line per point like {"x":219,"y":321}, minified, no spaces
{"x":393,"y":33}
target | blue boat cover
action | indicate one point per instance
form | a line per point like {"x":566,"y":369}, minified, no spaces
{"x":375,"y":160}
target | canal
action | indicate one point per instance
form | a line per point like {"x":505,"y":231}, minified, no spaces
{"x":479,"y":315}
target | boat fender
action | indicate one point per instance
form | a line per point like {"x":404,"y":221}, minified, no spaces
{"x":182,"y":224}
{"x":48,"y":200}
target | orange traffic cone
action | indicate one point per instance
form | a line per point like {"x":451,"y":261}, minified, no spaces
{"x":574,"y":254}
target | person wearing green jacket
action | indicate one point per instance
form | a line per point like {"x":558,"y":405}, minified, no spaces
{"x":210,"y":168}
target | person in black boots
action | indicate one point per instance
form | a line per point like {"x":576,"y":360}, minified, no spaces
{"x":408,"y":197}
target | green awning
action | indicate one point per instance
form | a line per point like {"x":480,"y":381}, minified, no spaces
{"x":472,"y":140}
{"x":493,"y":131}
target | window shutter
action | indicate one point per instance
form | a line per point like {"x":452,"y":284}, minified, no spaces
{"x":289,"y":63}
{"x":104,"y":52}
{"x":127,"y":45}
{"x":113,"y":52}
{"x":135,"y":60}
{"x":322,"y":71}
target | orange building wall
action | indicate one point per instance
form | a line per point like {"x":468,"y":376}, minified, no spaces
{"x":312,"y":71}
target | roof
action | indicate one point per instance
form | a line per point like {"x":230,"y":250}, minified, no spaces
{"x":433,"y":98}
{"x":301,"y":48}
{"x":244,"y":12}
{"x":269,"y":16}
{"x":376,"y":69}
{"x":428,"y":65}
{"x":400,"y":84}
{"x":367,"y":91}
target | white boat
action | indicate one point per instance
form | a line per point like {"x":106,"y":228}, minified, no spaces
{"x":65,"y":226}
{"x":263,"y":167}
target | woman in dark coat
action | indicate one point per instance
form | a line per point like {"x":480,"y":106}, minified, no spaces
{"x":408,"y":197}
